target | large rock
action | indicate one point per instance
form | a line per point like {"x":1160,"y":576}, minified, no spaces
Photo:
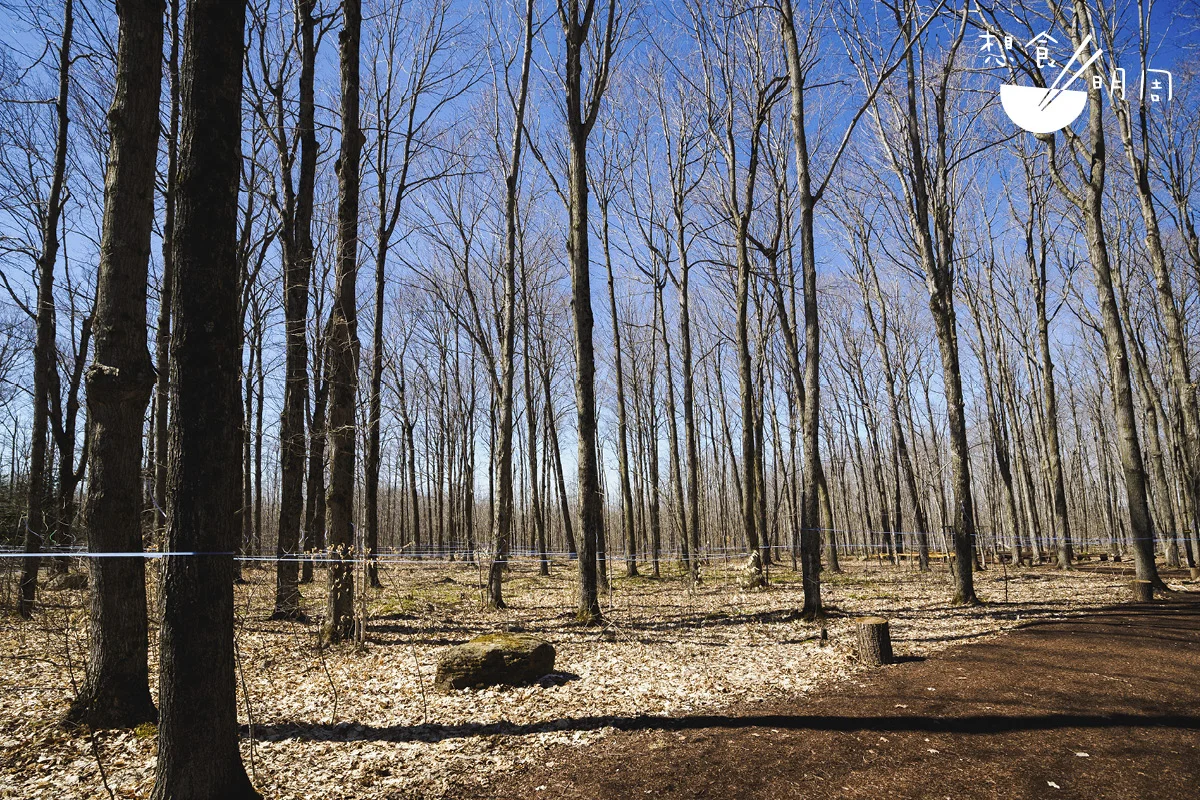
{"x":511,"y":659}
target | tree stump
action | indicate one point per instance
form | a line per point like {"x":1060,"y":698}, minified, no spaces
{"x":1195,"y":573}
{"x":874,"y":641}
{"x":1143,"y":592}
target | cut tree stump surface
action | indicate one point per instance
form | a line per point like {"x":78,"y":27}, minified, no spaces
{"x":1102,"y":706}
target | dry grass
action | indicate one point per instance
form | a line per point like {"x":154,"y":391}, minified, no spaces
{"x":357,"y":723}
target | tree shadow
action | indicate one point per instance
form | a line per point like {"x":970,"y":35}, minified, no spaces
{"x":981,"y":724}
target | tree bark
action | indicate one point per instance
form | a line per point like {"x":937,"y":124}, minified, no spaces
{"x":198,"y":736}
{"x":343,"y":345}
{"x":581,"y":114}
{"x":117,"y":690}
{"x":297,"y":271}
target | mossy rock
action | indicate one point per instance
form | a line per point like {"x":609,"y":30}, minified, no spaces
{"x":496,"y":659}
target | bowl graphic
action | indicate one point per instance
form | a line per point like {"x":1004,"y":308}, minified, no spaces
{"x":1023,"y":104}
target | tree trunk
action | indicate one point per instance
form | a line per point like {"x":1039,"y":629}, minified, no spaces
{"x":581,"y":114}
{"x":297,"y":271}
{"x":627,"y":529}
{"x":166,"y":292}
{"x":117,"y":690}
{"x":314,"y":503}
{"x":374,"y":414}
{"x":1090,"y":204}
{"x":502,"y":520}
{"x":560,"y":478}
{"x":45,"y":346}
{"x":343,"y":346}
{"x":198,"y":736}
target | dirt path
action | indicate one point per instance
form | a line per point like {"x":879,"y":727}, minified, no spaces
{"x":1106,"y":706}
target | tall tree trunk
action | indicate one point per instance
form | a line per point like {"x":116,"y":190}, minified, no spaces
{"x":314,"y":503}
{"x":503,"y":516}
{"x":538,"y":498}
{"x":198,"y":736}
{"x":1090,"y":204}
{"x":297,"y":272}
{"x":45,"y":346}
{"x":691,"y":438}
{"x":343,"y":346}
{"x":374,"y":417}
{"x":810,"y":518}
{"x":682,"y":500}
{"x":1180,"y":369}
{"x":627,"y":529}
{"x":582,"y":106}
{"x":166,"y":292}
{"x":560,"y":478}
{"x":259,"y":399}
{"x":1050,"y":401}
{"x":931,"y":216}
{"x":117,"y":690}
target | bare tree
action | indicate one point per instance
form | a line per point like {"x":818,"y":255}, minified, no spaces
{"x":342,"y":342}
{"x":44,"y":348}
{"x":198,"y":753}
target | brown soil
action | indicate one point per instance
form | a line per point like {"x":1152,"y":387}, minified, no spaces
{"x":1104,"y":706}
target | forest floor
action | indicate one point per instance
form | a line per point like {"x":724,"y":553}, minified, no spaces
{"x":1105,"y":705}
{"x":640,"y":694}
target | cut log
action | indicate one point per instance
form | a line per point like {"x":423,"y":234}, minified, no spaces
{"x":512,"y":659}
{"x":1195,"y":573}
{"x":752,"y":574}
{"x":1143,"y":592}
{"x":874,"y":641}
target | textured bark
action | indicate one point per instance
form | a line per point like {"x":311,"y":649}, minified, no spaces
{"x":874,"y":641}
{"x":198,"y":735}
{"x":44,"y":348}
{"x":117,"y":690}
{"x":297,"y":271}
{"x":342,"y":344}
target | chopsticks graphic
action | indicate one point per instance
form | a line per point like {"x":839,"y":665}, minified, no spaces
{"x":1054,"y":91}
